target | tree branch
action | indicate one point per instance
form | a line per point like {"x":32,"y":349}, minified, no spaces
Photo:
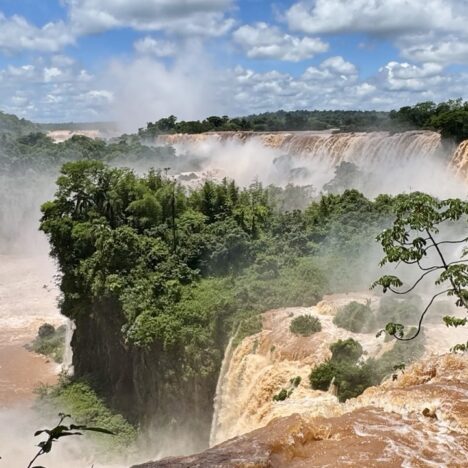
{"x":418,"y":331}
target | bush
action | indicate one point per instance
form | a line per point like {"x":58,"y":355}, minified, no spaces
{"x":346,"y":350}
{"x":305,"y":325}
{"x":351,"y":377}
{"x":282,"y":395}
{"x":356,"y":318}
{"x":86,"y":407}
{"x":50,"y":342}
{"x":321,"y":377}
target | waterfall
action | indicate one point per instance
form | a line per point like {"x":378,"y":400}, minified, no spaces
{"x":460,"y":160}
{"x":218,"y":400}
{"x":386,"y":162}
{"x":361,"y":148}
{"x":67,"y":364}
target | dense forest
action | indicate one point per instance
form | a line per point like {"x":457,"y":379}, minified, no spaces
{"x":157,"y":278}
{"x":450,"y":118}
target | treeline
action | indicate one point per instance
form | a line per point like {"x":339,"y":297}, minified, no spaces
{"x":450,"y":118}
{"x":156,"y":278}
{"x":11,"y":125}
{"x":37,"y":152}
{"x":299,"y":120}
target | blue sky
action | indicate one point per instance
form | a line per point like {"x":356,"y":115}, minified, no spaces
{"x":138,"y":60}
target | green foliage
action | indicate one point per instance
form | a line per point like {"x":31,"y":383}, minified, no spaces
{"x":88,"y":409}
{"x":282,"y":395}
{"x":285,"y":393}
{"x":273,"y":121}
{"x":305,"y":325}
{"x":49,"y":342}
{"x":347,"y":176}
{"x":346,"y":350}
{"x":351,"y":377}
{"x":59,"y":431}
{"x":414,"y":233}
{"x":406,"y":310}
{"x":355,"y":317}
{"x":450,"y":118}
{"x":173,"y":273}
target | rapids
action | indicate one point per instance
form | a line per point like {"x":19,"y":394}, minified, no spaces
{"x":27,"y":299}
{"x":264,"y":363}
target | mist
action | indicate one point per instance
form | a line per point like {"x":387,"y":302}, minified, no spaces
{"x":281,"y":162}
{"x":145,"y":89}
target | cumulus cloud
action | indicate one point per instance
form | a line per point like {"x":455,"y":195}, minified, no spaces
{"x":403,"y":76}
{"x":262,"y":41}
{"x":182,"y":17}
{"x":159,"y":48}
{"x":54,"y":88}
{"x":446,"y":50}
{"x":424,"y":30}
{"x":17,"y":34}
{"x":382,"y":17}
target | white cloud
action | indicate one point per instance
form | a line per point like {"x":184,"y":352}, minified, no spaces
{"x":403,"y":76}
{"x":159,"y":48}
{"x":424,"y":30}
{"x":339,"y":65}
{"x":51,"y":73}
{"x":181,"y":17}
{"x":53,"y":88}
{"x":262,"y":41}
{"x":382,"y":17}
{"x":447,"y":49}
{"x":17,"y":34}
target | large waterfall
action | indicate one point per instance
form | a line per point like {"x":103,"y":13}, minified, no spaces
{"x":391,"y":163}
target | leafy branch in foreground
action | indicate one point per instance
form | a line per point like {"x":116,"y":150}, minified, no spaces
{"x":59,"y":431}
{"x":414,"y":234}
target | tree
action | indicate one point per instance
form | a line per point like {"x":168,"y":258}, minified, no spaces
{"x":415,"y":239}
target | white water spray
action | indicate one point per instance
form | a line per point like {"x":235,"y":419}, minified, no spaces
{"x":67,"y":364}
{"x":218,"y":400}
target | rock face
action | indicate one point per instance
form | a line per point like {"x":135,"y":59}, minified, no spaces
{"x":419,"y":420}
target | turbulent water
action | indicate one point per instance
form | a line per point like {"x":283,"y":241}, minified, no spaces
{"x":263,"y":364}
{"x":391,"y":163}
{"x":418,"y":420}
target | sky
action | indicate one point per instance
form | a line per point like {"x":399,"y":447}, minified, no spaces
{"x":136,"y":61}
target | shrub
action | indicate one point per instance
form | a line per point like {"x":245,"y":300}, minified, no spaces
{"x":282,"y":395}
{"x":321,"y":377}
{"x":305,"y":325}
{"x":352,"y":377}
{"x":346,"y":350}
{"x":88,"y":408}
{"x":355,"y":317}
{"x":50,"y":342}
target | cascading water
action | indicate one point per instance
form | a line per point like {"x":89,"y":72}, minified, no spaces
{"x":262,"y":364}
{"x":388,"y":163}
{"x":460,"y":160}
{"x":67,"y":364}
{"x":218,"y":400}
